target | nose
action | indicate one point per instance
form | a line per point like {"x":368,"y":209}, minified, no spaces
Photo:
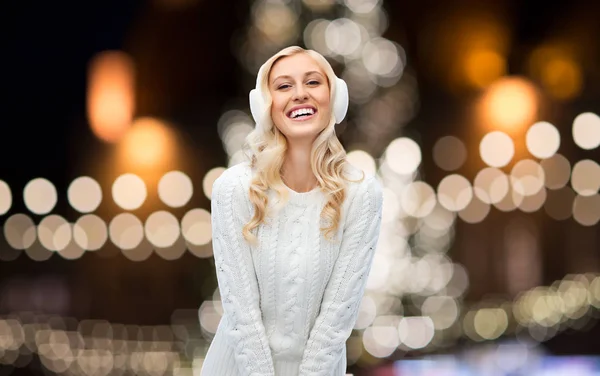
{"x":300,"y":93}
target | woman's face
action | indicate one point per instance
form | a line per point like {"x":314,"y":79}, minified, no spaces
{"x":300,"y":95}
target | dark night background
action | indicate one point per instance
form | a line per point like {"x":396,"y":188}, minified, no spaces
{"x":188,"y":73}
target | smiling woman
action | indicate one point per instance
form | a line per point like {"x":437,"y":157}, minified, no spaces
{"x":291,"y":284}
{"x":300,"y":96}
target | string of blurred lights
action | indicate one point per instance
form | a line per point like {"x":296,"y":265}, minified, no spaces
{"x":161,"y":232}
{"x":529,"y":186}
{"x":89,"y":347}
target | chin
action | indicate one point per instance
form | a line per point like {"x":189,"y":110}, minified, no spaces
{"x":304,"y":129}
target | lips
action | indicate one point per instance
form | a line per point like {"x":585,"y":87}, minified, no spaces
{"x":301,"y":113}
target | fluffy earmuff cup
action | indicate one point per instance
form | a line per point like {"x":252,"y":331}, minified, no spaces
{"x":257,"y":105}
{"x":341,"y":100}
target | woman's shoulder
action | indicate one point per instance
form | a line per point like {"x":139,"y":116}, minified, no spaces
{"x":236,"y":177}
{"x":360,"y":181}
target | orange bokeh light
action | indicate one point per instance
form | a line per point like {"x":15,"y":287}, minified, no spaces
{"x":556,"y":67}
{"x":483,"y":66}
{"x":110,"y":95}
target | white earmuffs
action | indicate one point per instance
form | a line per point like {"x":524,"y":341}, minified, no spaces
{"x":258,"y":106}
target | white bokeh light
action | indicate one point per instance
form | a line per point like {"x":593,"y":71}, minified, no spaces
{"x":362,"y":6}
{"x":40,"y":196}
{"x":418,"y":199}
{"x":84,"y":194}
{"x":209,"y":180}
{"x":527,"y":177}
{"x":491,"y":185}
{"x":162,"y":229}
{"x":382,"y":57}
{"x":403,"y":155}
{"x":416,"y":332}
{"x":449,"y":153}
{"x":363,"y":161}
{"x":126,"y":231}
{"x":175,"y":189}
{"x":19,"y":231}
{"x":557,"y":170}
{"x":455,"y":192}
{"x":496,"y":149}
{"x":129,"y":191}
{"x":586,"y":130}
{"x":196,"y":227}
{"x":585,"y":177}
{"x":542,"y":139}
{"x":90,"y":232}
{"x":5,"y":198}
{"x":54,"y":233}
{"x":343,"y":36}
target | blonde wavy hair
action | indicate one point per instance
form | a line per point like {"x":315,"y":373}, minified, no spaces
{"x":265,"y":149}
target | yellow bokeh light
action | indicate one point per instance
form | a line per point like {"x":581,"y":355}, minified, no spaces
{"x":509,"y":104}
{"x":490,"y":323}
{"x":148,"y":144}
{"x":484,"y":66}
{"x":110,"y":95}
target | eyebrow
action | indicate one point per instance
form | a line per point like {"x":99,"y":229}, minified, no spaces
{"x":305,"y":74}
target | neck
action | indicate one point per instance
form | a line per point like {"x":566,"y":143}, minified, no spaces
{"x":296,"y":171}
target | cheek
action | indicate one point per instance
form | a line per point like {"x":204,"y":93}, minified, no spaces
{"x":324,"y":100}
{"x":277,"y":105}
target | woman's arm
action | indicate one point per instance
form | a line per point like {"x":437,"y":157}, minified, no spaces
{"x":346,"y":285}
{"x":237,"y":278}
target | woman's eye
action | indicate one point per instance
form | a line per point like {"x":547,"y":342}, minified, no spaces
{"x":284,"y":86}
{"x":313,"y":82}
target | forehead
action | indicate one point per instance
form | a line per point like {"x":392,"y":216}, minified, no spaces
{"x":295,"y":65}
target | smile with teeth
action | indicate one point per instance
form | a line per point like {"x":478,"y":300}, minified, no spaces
{"x":302,"y":113}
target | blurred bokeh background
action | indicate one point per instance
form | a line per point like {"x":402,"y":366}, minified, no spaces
{"x":479,"y":117}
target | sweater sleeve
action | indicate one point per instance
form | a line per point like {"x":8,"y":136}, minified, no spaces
{"x":345,"y":289}
{"x":237,"y":278}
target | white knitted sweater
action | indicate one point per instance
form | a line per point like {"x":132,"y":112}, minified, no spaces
{"x":290,"y":303}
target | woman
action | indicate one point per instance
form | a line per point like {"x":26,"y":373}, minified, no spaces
{"x":294,"y":230}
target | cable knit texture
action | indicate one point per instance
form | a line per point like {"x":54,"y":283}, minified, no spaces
{"x":289,"y":303}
